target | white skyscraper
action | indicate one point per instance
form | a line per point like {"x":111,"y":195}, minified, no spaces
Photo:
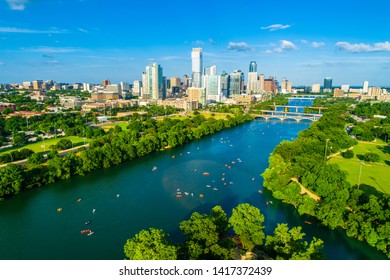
{"x":365,"y":87}
{"x":197,"y":66}
{"x":153,"y":83}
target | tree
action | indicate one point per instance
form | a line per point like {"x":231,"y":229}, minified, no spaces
{"x":64,"y":144}
{"x":35,"y":158}
{"x":152,"y":244}
{"x":247,"y":222}
{"x":347,"y":154}
{"x":288,"y":244}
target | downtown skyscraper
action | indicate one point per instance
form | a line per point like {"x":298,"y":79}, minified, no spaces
{"x":153,"y":81}
{"x":197,"y":67}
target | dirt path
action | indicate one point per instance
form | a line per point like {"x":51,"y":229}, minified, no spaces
{"x":306,"y":191}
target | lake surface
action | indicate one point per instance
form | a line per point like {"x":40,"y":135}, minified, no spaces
{"x":120,"y":201}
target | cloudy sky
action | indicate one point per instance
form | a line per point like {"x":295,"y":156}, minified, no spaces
{"x":90,"y":40}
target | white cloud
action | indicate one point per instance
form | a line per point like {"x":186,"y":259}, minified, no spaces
{"x":268,"y":52}
{"x":24,"y":30}
{"x":2,"y":63}
{"x":317,"y":44}
{"x":52,"y":50}
{"x":275,"y":27}
{"x":285,"y":46}
{"x":198,"y":42}
{"x":239,"y":47}
{"x":358,"y":48}
{"x":82,"y":30}
{"x":17,"y":5}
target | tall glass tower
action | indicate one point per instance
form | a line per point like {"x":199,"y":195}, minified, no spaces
{"x":253,"y":66}
{"x":197,"y":66}
{"x":328,"y":84}
{"x":154,"y":81}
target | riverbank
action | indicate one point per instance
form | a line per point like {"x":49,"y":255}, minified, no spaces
{"x":141,"y":138}
{"x":362,"y":215}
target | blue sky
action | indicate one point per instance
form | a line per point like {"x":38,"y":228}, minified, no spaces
{"x":87,"y":40}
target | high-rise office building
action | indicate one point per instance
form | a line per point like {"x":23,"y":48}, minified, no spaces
{"x":137,"y":88}
{"x":365,"y":87}
{"x":253,"y":84}
{"x":270,"y":85}
{"x":105,"y":83}
{"x":210,"y":70}
{"x":253,"y":66}
{"x":37,"y":84}
{"x":236,"y":83}
{"x":286,"y":86}
{"x":197,"y":67}
{"x":225,"y":84}
{"x":327,"y":84}
{"x":153,"y":83}
{"x":262,"y":79}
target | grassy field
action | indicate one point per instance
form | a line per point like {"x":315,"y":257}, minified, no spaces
{"x":107,"y":127}
{"x":40,"y":146}
{"x":376,"y":175}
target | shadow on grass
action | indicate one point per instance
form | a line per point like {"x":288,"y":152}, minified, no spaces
{"x":370,"y":190}
{"x":385,"y":149}
{"x":387,"y":162}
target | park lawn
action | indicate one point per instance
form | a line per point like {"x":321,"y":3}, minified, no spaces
{"x":215,"y":115}
{"x":39,"y":146}
{"x":376,"y":175}
{"x":107,"y":127}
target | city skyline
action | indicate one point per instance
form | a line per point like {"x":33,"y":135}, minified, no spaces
{"x":87,"y":41}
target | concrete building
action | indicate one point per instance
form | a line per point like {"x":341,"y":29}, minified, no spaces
{"x":270,"y":85}
{"x":197,"y":67}
{"x":37,"y":84}
{"x":87,"y":87}
{"x":253,"y":84}
{"x":345,"y":88}
{"x":262,"y":79}
{"x":225,"y":80}
{"x":137,"y":88}
{"x":197,"y":94}
{"x":286,"y":86}
{"x":175,"y":82}
{"x":338,"y":92}
{"x":105,"y":83}
{"x":4,"y":106}
{"x":365,"y":87}
{"x":315,"y":88}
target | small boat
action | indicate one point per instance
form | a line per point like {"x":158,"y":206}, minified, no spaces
{"x":87,"y":222}
{"x":231,"y":183}
{"x":233,"y":162}
{"x":117,"y":195}
{"x":192,"y":194}
{"x":90,"y":233}
{"x":223,"y":179}
{"x":253,"y":179}
{"x":59,"y":209}
{"x":78,"y":200}
{"x":188,"y":153}
{"x":154,"y":168}
{"x":173,"y":156}
{"x":195,"y":169}
{"x":186,"y":193}
{"x":201,"y":195}
{"x":307,"y":222}
{"x":208,"y":186}
{"x":215,"y":189}
{"x":224,"y":184}
{"x":260,"y":191}
{"x":85,"y":231}
{"x":271,"y":202}
{"x":206,"y":173}
{"x":93,"y":211}
{"x":266,"y":203}
{"x":178,"y":190}
{"x":179,"y":195}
